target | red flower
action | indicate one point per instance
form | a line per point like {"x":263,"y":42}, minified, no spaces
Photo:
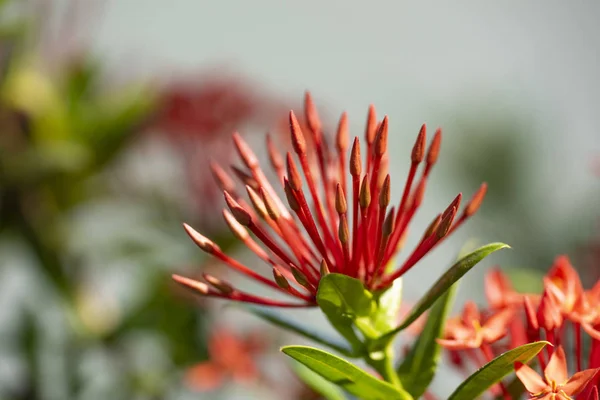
{"x":563,"y":283}
{"x":471,"y":330}
{"x":556,"y":383}
{"x":499,"y":291}
{"x":213,"y":106}
{"x":355,"y":235}
{"x":198,"y":117}
{"x":231,"y":357}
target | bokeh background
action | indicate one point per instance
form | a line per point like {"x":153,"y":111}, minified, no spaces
{"x":110,"y":111}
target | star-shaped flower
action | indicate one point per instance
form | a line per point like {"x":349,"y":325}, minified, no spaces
{"x":555,"y":384}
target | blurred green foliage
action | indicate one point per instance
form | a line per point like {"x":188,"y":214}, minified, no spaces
{"x":61,"y":130}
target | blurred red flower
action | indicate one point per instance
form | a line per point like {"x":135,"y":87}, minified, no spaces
{"x":232,"y":358}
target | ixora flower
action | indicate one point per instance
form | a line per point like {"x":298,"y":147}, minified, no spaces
{"x":350,"y":228}
{"x":527,"y":318}
{"x":556,"y":383}
{"x":472,"y":331}
{"x":231,"y":357}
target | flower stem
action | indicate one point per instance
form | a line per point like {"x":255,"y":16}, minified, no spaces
{"x":385,"y":367}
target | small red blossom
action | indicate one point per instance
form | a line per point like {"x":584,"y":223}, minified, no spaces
{"x":471,"y":330}
{"x":563,"y":284}
{"x":555,"y":384}
{"x":499,"y":291}
{"x":197,"y":116}
{"x":231,"y":358}
{"x":350,"y":228}
{"x":209,"y":107}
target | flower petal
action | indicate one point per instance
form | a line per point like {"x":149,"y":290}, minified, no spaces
{"x":579,"y":381}
{"x":496,"y":286}
{"x":205,"y":376}
{"x":451,"y":344}
{"x":532,"y":381}
{"x":548,"y":314}
{"x":556,"y":370}
{"x":497,"y":325}
{"x":470,"y":313}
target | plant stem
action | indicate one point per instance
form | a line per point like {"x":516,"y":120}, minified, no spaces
{"x":385,"y":367}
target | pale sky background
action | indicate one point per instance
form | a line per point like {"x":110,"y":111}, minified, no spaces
{"x":417,"y":62}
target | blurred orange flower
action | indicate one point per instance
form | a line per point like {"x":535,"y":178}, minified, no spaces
{"x":231,"y":358}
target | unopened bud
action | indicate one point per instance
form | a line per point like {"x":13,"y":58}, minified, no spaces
{"x":371,"y":129}
{"x":245,"y":152}
{"x":380,"y":143}
{"x":355,"y":162}
{"x":292,"y":173}
{"x":242,"y":216}
{"x":236,"y":228}
{"x":324,"y":268}
{"x":201,"y":241}
{"x":257,"y":203}
{"x":433,"y":226}
{"x":434,"y":147}
{"x":312,"y":116}
{"x":454,"y":205}
{"x":341,"y":137}
{"x":200,"y":287}
{"x":218,"y":284}
{"x":343,"y":232}
{"x":388,"y":223}
{"x":291,"y":197}
{"x":445,"y":224}
{"x":280,"y":279}
{"x":365,"y":193}
{"x":340,"y":200}
{"x":298,"y":141}
{"x":418,"y":151}
{"x":270,"y":205}
{"x":476,"y":200}
{"x":385,"y":194}
{"x":222,"y":178}
{"x":300,"y":277}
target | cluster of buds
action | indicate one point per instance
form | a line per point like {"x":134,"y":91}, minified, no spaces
{"x":513,"y":319}
{"x":342,"y":224}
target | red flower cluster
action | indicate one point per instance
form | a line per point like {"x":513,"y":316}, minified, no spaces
{"x":526,"y":318}
{"x":231,"y":358}
{"x":355,"y":235}
{"x":210,"y":108}
{"x":198,"y":116}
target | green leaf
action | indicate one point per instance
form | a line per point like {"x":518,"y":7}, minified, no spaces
{"x":343,"y":300}
{"x":317,"y":383}
{"x":344,"y":294}
{"x":495,"y":370}
{"x":418,"y":368}
{"x":300,"y":329}
{"x":344,"y":374}
{"x":452,"y":275}
{"x":388,"y":306}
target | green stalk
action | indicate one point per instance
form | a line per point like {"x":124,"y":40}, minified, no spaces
{"x":385,"y":366}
